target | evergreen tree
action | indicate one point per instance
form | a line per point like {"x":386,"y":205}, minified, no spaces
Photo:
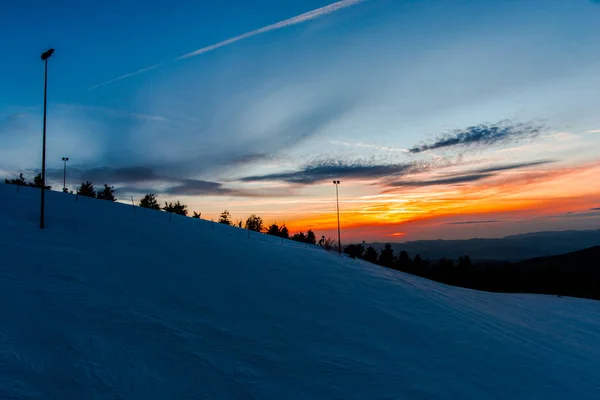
{"x":311,"y":237}
{"x":386,"y":258}
{"x":37,"y":181}
{"x":108,"y":193}
{"x":273,"y":229}
{"x":225,"y":218}
{"x":176,"y":208}
{"x":254,"y":223}
{"x":86,"y":189}
{"x":299,"y":237}
{"x":284,"y":233}
{"x":149,"y":201}
{"x":371,"y":255}
{"x":16,"y":181}
{"x":354,"y":250}
{"x":404,"y":263}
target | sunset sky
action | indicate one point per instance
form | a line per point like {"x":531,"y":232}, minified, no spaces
{"x":441,"y":118}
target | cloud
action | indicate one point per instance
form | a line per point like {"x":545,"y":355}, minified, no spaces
{"x":594,"y":130}
{"x":480,"y":135}
{"x":113,"y":112}
{"x":141,"y":180}
{"x":471,"y":222}
{"x":443,"y":181}
{"x":319,"y":12}
{"x":514,"y":166}
{"x":339,"y":170}
{"x":595,"y":209}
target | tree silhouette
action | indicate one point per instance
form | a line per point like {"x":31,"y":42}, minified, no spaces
{"x":38,"y":182}
{"x":275,"y":230}
{"x":371,"y":254}
{"x":284,"y":233}
{"x":254,"y":223}
{"x":16,"y":181}
{"x":86,"y":189}
{"x":149,"y":201}
{"x":355,"y":250}
{"x":225,"y":218}
{"x":176,"y":208}
{"x":386,"y":258}
{"x":311,"y":238}
{"x":196,"y":215}
{"x":108,"y":193}
{"x":299,"y":237}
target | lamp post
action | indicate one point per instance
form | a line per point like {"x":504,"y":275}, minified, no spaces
{"x":45,"y":56}
{"x":337,"y":200}
{"x":65,"y":159}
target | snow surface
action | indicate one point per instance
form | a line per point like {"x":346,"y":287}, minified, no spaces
{"x":108,"y":304}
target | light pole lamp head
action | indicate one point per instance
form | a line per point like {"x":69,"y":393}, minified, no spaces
{"x":336,"y":182}
{"x":46,"y":55}
{"x":65,"y":158}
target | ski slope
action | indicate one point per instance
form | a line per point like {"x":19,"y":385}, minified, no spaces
{"x":110,"y":304}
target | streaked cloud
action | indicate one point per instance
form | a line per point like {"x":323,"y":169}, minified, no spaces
{"x":442,"y":181}
{"x":514,"y":166}
{"x":471,"y":222}
{"x":481,"y":135}
{"x":308,"y":16}
{"x":324,"y":171}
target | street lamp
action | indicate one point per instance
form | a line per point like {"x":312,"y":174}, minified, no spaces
{"x":65,"y":159}
{"x":337,"y":200}
{"x":45,"y":56}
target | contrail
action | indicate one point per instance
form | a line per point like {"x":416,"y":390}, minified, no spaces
{"x":319,"y":12}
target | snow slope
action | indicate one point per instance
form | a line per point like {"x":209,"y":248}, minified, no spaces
{"x":108,"y":304}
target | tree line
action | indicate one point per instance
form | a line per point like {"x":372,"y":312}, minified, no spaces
{"x":252,"y":223}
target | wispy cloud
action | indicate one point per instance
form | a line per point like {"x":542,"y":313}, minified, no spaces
{"x":319,"y":12}
{"x":324,"y":171}
{"x":506,"y":167}
{"x":595,"y":209}
{"x":114,"y":112}
{"x":127,"y":75}
{"x":471,"y":222}
{"x":481,"y":135}
{"x":594,"y":131}
{"x":442,"y":181}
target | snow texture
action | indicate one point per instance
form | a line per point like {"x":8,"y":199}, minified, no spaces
{"x":110,"y":304}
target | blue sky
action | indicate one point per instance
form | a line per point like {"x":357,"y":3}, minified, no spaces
{"x":355,"y":88}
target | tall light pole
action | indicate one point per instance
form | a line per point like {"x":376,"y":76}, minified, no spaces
{"x":45,"y":56}
{"x":65,"y":159}
{"x":337,"y":200}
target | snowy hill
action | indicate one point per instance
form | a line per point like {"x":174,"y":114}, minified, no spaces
{"x":109,"y":304}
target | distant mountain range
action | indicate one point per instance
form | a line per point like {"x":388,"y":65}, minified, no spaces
{"x":510,"y":248}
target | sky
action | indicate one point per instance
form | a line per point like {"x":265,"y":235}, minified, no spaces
{"x":441,"y":118}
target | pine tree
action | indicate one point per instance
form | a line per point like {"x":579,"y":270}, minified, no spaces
{"x":108,"y":193}
{"x":386,"y":258}
{"x":149,"y":201}
{"x":370,"y":254}
{"x":284,"y":233}
{"x":225,"y":218}
{"x":16,"y":181}
{"x":180,"y":209}
{"x":176,"y":208}
{"x":311,"y":238}
{"x":299,"y":237}
{"x":86,"y":189}
{"x":254,"y":223}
